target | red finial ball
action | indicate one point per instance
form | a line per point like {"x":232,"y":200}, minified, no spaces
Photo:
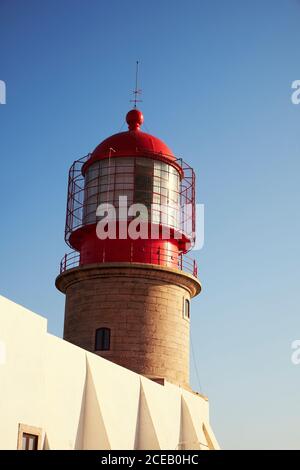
{"x":134,"y":119}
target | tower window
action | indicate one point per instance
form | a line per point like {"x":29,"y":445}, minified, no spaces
{"x":102,"y":339}
{"x":186,"y":309}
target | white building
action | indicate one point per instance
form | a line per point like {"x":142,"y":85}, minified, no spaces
{"x":55,"y":395}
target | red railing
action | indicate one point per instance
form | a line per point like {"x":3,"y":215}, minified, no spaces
{"x":182,"y":262}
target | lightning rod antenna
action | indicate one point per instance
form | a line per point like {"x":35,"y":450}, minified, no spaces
{"x":137,"y":91}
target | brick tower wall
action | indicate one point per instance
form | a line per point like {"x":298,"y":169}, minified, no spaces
{"x":143,"y":307}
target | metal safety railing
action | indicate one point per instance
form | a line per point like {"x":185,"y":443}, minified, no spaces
{"x":158,"y":257}
{"x":174,"y":208}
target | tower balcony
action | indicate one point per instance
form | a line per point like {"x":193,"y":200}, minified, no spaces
{"x":160,"y":257}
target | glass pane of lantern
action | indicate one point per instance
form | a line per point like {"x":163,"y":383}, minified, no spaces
{"x":143,"y":181}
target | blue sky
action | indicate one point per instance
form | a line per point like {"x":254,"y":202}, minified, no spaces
{"x":216,"y":79}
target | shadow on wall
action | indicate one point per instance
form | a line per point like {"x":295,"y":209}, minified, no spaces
{"x":91,"y":419}
{"x":145,"y":440}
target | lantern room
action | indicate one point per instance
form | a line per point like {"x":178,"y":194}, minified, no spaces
{"x":131,"y":200}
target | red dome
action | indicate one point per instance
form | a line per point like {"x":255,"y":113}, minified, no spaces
{"x":131,"y":143}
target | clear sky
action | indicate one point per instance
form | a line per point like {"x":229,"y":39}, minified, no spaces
{"x":216,"y":79}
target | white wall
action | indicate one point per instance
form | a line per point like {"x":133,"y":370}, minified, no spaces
{"x":82,"y":401}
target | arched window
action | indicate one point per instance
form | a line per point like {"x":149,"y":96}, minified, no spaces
{"x":102,"y":339}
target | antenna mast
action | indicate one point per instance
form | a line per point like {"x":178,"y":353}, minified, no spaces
{"x":137,"y":91}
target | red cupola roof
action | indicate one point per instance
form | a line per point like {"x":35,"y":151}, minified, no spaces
{"x":131,"y":143}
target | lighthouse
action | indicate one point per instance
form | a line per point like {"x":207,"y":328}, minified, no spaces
{"x":119,"y":379}
{"x":129,"y":278}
